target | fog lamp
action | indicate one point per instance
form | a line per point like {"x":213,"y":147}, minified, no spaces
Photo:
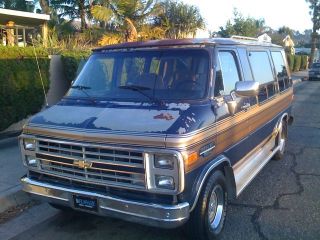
{"x":31,"y":161}
{"x":165,"y":182}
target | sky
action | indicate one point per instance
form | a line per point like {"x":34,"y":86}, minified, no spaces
{"x":277,"y":13}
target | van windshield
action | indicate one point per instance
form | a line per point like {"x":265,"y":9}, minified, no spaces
{"x":157,"y":74}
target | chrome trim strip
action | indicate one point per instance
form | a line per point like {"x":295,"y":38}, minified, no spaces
{"x":160,"y":215}
{"x":207,"y":150}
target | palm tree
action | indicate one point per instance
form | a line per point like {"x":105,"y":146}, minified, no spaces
{"x":314,"y":6}
{"x":73,"y":9}
{"x":179,"y":19}
{"x":128,"y":14}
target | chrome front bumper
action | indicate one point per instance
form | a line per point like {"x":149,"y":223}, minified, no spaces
{"x":158,"y":215}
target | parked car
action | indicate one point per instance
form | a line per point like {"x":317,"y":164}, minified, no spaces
{"x":314,"y":72}
{"x":162,"y":132}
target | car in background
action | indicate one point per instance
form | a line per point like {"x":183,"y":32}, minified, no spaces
{"x":314,"y":72}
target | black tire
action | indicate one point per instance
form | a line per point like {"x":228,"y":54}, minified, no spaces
{"x":282,"y":136}
{"x":199,"y":226}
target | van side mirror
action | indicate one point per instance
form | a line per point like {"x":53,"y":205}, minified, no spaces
{"x":247,"y":88}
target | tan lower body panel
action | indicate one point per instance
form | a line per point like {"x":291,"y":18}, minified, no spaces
{"x":248,"y":167}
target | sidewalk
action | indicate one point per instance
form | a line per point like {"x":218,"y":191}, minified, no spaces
{"x":11,"y":170}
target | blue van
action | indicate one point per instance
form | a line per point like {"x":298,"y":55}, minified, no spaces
{"x":162,"y":132}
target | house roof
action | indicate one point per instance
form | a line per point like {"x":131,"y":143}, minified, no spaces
{"x":22,"y":18}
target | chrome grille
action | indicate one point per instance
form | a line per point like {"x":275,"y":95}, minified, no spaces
{"x":92,"y":163}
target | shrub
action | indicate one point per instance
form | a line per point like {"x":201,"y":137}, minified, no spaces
{"x":297,"y":63}
{"x":21,"y":91}
{"x":290,"y":59}
{"x":304,"y":62}
{"x":71,"y":61}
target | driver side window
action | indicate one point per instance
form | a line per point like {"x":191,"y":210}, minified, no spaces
{"x":227,"y":75}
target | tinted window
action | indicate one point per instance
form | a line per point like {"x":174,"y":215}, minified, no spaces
{"x":261,"y":67}
{"x":164,"y":74}
{"x":245,"y":64}
{"x":279,"y":64}
{"x":229,"y":72}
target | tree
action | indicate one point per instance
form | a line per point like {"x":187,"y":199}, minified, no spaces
{"x":179,"y":19}
{"x":314,"y":6}
{"x":127,"y":14}
{"x":44,"y":4}
{"x":286,"y":31}
{"x":20,"y":5}
{"x":73,"y":9}
{"x":243,"y":26}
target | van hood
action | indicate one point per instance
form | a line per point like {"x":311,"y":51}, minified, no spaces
{"x":173,"y":118}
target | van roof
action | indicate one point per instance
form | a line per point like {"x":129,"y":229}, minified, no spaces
{"x":187,"y":42}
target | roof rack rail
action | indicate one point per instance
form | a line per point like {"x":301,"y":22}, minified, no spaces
{"x":244,"y":38}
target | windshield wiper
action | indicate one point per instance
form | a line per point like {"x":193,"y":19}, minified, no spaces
{"x":83,"y":89}
{"x":141,"y":89}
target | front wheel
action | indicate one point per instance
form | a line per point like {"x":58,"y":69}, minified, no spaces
{"x":207,"y":219}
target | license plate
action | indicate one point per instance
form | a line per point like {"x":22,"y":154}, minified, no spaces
{"x":86,"y":203}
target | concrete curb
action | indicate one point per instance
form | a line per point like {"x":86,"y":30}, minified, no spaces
{"x":13,"y":197}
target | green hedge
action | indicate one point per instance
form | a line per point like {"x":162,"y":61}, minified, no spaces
{"x":297,"y":63}
{"x":21,"y":91}
{"x":290,"y":59}
{"x":71,"y":61}
{"x":304,"y":62}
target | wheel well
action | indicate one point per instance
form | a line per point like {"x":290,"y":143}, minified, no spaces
{"x":227,"y":171}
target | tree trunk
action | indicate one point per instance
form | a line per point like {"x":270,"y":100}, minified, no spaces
{"x":44,"y":4}
{"x":131,"y":34}
{"x":314,"y":38}
{"x":82,"y":13}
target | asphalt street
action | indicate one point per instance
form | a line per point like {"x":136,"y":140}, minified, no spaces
{"x":283,"y":201}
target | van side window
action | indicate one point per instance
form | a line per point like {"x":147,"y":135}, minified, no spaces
{"x":245,"y":64}
{"x":281,"y":70}
{"x":263,"y":75}
{"x":227,"y":77}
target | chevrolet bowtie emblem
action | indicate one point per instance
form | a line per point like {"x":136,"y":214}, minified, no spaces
{"x":82,"y":164}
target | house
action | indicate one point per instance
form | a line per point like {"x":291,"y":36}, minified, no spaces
{"x":264,"y":38}
{"x":18,"y":28}
{"x":289,"y":44}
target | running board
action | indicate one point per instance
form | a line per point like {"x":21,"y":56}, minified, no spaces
{"x":248,"y":167}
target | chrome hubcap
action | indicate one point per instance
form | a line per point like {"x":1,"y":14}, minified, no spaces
{"x":215,"y":207}
{"x":282,"y":140}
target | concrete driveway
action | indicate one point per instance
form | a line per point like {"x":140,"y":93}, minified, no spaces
{"x":283,"y":202}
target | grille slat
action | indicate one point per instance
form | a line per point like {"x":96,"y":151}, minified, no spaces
{"x":96,"y":164}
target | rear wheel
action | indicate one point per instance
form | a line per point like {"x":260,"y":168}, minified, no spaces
{"x":207,"y":219}
{"x":282,"y":140}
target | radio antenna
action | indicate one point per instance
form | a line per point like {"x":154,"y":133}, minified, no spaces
{"x":44,"y":91}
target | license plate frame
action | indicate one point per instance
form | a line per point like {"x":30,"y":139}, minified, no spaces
{"x":85,"y":203}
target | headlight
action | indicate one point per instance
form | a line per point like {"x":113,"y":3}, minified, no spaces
{"x":164,"y":172}
{"x":29,"y":144}
{"x":165,"y":161}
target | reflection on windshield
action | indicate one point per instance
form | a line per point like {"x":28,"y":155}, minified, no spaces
{"x":166,"y":75}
